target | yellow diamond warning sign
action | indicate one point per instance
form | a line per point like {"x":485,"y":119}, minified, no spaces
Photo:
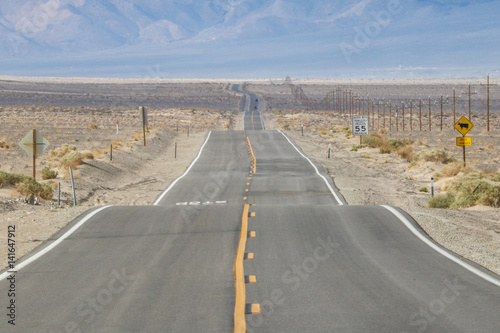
{"x":464,"y":126}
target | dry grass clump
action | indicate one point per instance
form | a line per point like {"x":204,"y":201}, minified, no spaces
{"x":398,"y":143}
{"x":138,"y":136}
{"x":451,"y":170}
{"x":92,"y":126}
{"x":406,"y":153}
{"x":323,"y":131}
{"x":117,"y":144}
{"x":4,"y":145}
{"x":26,"y":185}
{"x":67,"y":155}
{"x":374,"y":140}
{"x":61,"y":151}
{"x":48,"y":173}
{"x":433,"y":155}
{"x":31,"y":186}
{"x":469,"y":188}
{"x":75,"y":158}
{"x":11,"y":178}
{"x":402,"y":147}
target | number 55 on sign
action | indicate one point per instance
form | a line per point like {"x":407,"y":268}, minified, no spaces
{"x":360,"y":125}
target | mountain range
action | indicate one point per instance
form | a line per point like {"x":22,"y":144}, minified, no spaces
{"x":249,"y":38}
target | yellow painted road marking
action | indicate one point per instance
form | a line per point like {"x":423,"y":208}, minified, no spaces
{"x":240,"y":324}
{"x":253,"y":309}
{"x":252,"y":155}
{"x":245,"y":198}
{"x":251,"y":279}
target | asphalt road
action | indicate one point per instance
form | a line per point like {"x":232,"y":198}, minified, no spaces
{"x":320,"y":265}
{"x":163,"y":268}
{"x":252,"y":110}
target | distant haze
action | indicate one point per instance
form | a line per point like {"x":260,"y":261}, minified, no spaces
{"x":250,"y":38}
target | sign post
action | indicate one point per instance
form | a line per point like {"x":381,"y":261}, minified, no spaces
{"x":360,"y":126}
{"x":34,"y":144}
{"x":144,"y":118}
{"x":464,"y":126}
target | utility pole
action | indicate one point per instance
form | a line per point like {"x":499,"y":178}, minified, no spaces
{"x":441,"y":113}
{"x":488,"y":84}
{"x":420,"y":113}
{"x":383,"y":115}
{"x":430,"y":115}
{"x":454,"y":107}
{"x":403,"y":116}
{"x":470,"y":102}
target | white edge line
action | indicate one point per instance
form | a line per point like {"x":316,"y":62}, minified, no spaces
{"x":185,"y":173}
{"x":448,"y":255}
{"x":54,"y":244}
{"x":317,"y":171}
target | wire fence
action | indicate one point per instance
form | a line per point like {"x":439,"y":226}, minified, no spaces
{"x":403,"y":113}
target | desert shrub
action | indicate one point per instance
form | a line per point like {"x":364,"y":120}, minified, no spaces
{"x":441,"y":201}
{"x":117,"y":143}
{"x":406,"y":152}
{"x":372,"y":141}
{"x":451,"y":170}
{"x":348,"y":132}
{"x":4,"y":145}
{"x":87,"y":155}
{"x":47,"y":173}
{"x":424,"y":190}
{"x":138,"y":136}
{"x":31,"y":186}
{"x":75,"y":158}
{"x":337,"y":129}
{"x":92,"y":126}
{"x":474,"y":188}
{"x":322,"y":131}
{"x":437,"y":156}
{"x":357,"y":147}
{"x":11,"y":178}
{"x":286,"y":127}
{"x":61,"y":151}
{"x":385,"y":149}
{"x":398,"y":143}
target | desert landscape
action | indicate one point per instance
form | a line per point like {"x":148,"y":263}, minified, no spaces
{"x":392,"y":166}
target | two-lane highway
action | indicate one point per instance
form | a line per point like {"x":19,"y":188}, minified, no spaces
{"x":309,"y":262}
{"x":252,"y":118}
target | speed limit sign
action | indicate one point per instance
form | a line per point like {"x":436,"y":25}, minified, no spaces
{"x":360,"y":125}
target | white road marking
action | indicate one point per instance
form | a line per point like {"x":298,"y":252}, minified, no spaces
{"x":55,"y":243}
{"x":221,"y":202}
{"x":448,"y":255}
{"x":317,"y":171}
{"x":185,"y":173}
